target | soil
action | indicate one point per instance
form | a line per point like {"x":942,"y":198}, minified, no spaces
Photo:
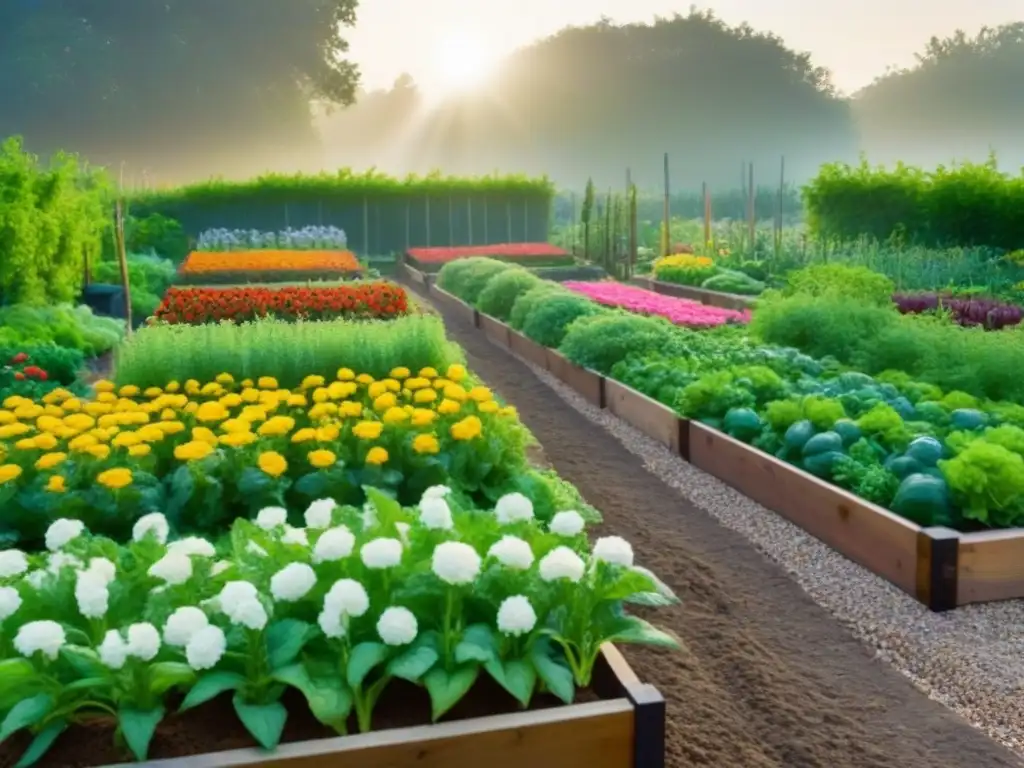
{"x":767,"y":678}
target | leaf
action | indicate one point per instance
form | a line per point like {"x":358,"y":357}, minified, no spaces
{"x":182,"y":485}
{"x":314,"y":485}
{"x":17,"y":677}
{"x":632,"y":629}
{"x":556,"y":675}
{"x":477,"y":644}
{"x":364,"y":658}
{"x":328,"y":697}
{"x":285,"y":641}
{"x":89,"y":683}
{"x":25,"y":714}
{"x":138,"y":728}
{"x":516,"y":676}
{"x":447,"y":689}
{"x":209,"y":686}
{"x":640,"y":586}
{"x":253,"y":482}
{"x":388,"y":510}
{"x":42,"y":743}
{"x":414,"y":663}
{"x":85,"y":661}
{"x":264,"y":721}
{"x":165,"y":675}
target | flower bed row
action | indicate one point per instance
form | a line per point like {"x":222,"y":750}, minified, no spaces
{"x":375,"y":300}
{"x":307,"y":238}
{"x":530,"y":254}
{"x":267,"y":265}
{"x":677,"y":311}
{"x":983,"y":313}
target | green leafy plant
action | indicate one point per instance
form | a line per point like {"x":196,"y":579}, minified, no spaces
{"x":503,"y":290}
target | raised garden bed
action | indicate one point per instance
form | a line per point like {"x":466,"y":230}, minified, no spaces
{"x":710,"y":298}
{"x":527,"y":254}
{"x":940,"y":567}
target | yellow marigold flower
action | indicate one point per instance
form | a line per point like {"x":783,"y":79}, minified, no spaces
{"x":456,"y":393}
{"x":428,"y":373}
{"x":376,"y":389}
{"x":13,"y":430}
{"x":204,"y":435}
{"x":211,"y":411}
{"x":250,"y":395}
{"x":440,"y":383}
{"x":320,"y":410}
{"x":448,"y":407}
{"x":272,"y":463}
{"x":171,"y":427}
{"x":45,"y":442}
{"x":277,"y":426}
{"x":376,"y":455}
{"x":153,"y":392}
{"x":72,"y":404}
{"x":103,"y":435}
{"x":321,"y":395}
{"x":54,"y":411}
{"x":168,"y":414}
{"x":345,"y":374}
{"x":140,"y":450}
{"x":56,"y":484}
{"x":267,"y":382}
{"x":129,"y":390}
{"x":66,"y":433}
{"x":108,"y":420}
{"x":126,"y":439}
{"x":424,"y":396}
{"x":368,"y":430}
{"x":82,"y":443}
{"x":416,"y":383}
{"x":456,"y":372}
{"x":14,"y":401}
{"x":172,"y":386}
{"x":392,"y":385}
{"x":321,"y":459}
{"x":97,"y":409}
{"x":253,"y":413}
{"x":190,"y":407}
{"x":48,"y":423}
{"x":192,"y":451}
{"x":247,"y":383}
{"x":489,"y":407}
{"x":508,"y":410}
{"x":311,"y":382}
{"x":225,"y":378}
{"x":106,"y":397}
{"x":192,"y":387}
{"x":394,"y":416}
{"x":467,"y":429}
{"x":103,"y":385}
{"x":231,"y":400}
{"x":422,"y":417}
{"x":236,"y":425}
{"x":115,"y":478}
{"x":136,"y":418}
{"x":399,"y":373}
{"x":238,"y":439}
{"x":9,"y":472}
{"x":385,"y":401}
{"x":350,"y":408}
{"x":480,"y":394}
{"x":6,"y":417}
{"x":150,"y":434}
{"x":304,"y":435}
{"x":297,"y":401}
{"x":327,"y":433}
{"x":28,"y":411}
{"x":339,"y":390}
{"x":100,"y":451}
{"x":26,"y":444}
{"x":425,"y":444}
{"x":364,"y":379}
{"x":50,"y":460}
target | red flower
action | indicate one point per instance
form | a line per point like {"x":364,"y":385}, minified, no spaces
{"x":19,"y":376}
{"x":19,"y":358}
{"x":35,"y":372}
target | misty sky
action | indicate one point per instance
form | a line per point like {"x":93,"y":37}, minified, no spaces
{"x":856,"y":39}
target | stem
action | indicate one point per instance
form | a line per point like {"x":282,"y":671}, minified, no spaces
{"x":449,"y":606}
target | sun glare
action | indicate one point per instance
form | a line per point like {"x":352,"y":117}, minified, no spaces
{"x":462,"y":62}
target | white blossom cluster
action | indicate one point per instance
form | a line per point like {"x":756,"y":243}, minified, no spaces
{"x":306,"y":238}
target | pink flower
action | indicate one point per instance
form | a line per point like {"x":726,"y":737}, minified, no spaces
{"x":677,"y":311}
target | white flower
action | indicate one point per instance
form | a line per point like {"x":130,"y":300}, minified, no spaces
{"x":436,"y":514}
{"x":516,"y":616}
{"x":614,"y":550}
{"x":293,"y":535}
{"x":331,"y":624}
{"x":318,"y":514}
{"x":334,"y":544}
{"x":347,"y":596}
{"x":292,"y":582}
{"x":172,"y":568}
{"x":369,"y":516}
{"x":512,"y":552}
{"x":183,"y":624}
{"x":10,"y":601}
{"x":12,"y":563}
{"x":255,"y":549}
{"x":569,"y":523}
{"x":61,"y":532}
{"x":271,"y":517}
{"x":220,"y":566}
{"x":561,"y":563}
{"x":512,"y":508}
{"x":193,"y":546}
{"x":397,"y":626}
{"x":206,"y":647}
{"x":236,"y":592}
{"x":455,"y":563}
{"x":91,"y":594}
{"x":143,"y":641}
{"x":113,"y":650}
{"x":381,"y":553}
{"x":248,"y":613}
{"x":45,"y":637}
{"x":435,"y":492}
{"x":37,"y":578}
{"x":153,"y":523}
{"x":104,"y":568}
{"x":60,"y":560}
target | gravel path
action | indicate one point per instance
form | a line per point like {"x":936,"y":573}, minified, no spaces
{"x":767,"y":676}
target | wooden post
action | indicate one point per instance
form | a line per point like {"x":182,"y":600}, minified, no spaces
{"x":469,"y":217}
{"x":751,"y":208}
{"x":632,"y":230}
{"x":608,"y":231}
{"x":667,"y":234}
{"x":426,"y":200}
{"x":366,"y":227}
{"x":122,"y":258}
{"x":572,"y":227}
{"x":707,"y":215}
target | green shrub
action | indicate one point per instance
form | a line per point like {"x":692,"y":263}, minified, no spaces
{"x":500,"y":294}
{"x":734,"y":282}
{"x":600,"y":341}
{"x":145,"y":273}
{"x":158,"y":234}
{"x":456,"y":276}
{"x":526,"y":303}
{"x":66,"y":326}
{"x":550,"y":318}
{"x":841,"y":281}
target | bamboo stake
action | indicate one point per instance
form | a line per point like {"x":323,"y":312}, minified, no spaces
{"x":751,"y":211}
{"x":122,"y":258}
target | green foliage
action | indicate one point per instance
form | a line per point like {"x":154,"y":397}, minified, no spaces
{"x":527,"y":302}
{"x":734,"y":282}
{"x":156,"y":234}
{"x":288,"y":351}
{"x":969,"y":204}
{"x":51,"y":219}
{"x":503,"y":290}
{"x":75,"y":328}
{"x":601,"y":340}
{"x":841,"y":281}
{"x":549,"y":321}
{"x":988,"y":481}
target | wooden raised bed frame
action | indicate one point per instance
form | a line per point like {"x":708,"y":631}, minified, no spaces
{"x":940,"y":567}
{"x":625,"y":729}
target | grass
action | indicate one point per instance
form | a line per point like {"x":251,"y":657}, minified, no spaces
{"x":288,"y":351}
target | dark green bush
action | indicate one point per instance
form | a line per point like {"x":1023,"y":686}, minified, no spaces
{"x":526,"y":303}
{"x":500,"y":294}
{"x":550,"y":318}
{"x":600,"y":341}
{"x":841,"y":281}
